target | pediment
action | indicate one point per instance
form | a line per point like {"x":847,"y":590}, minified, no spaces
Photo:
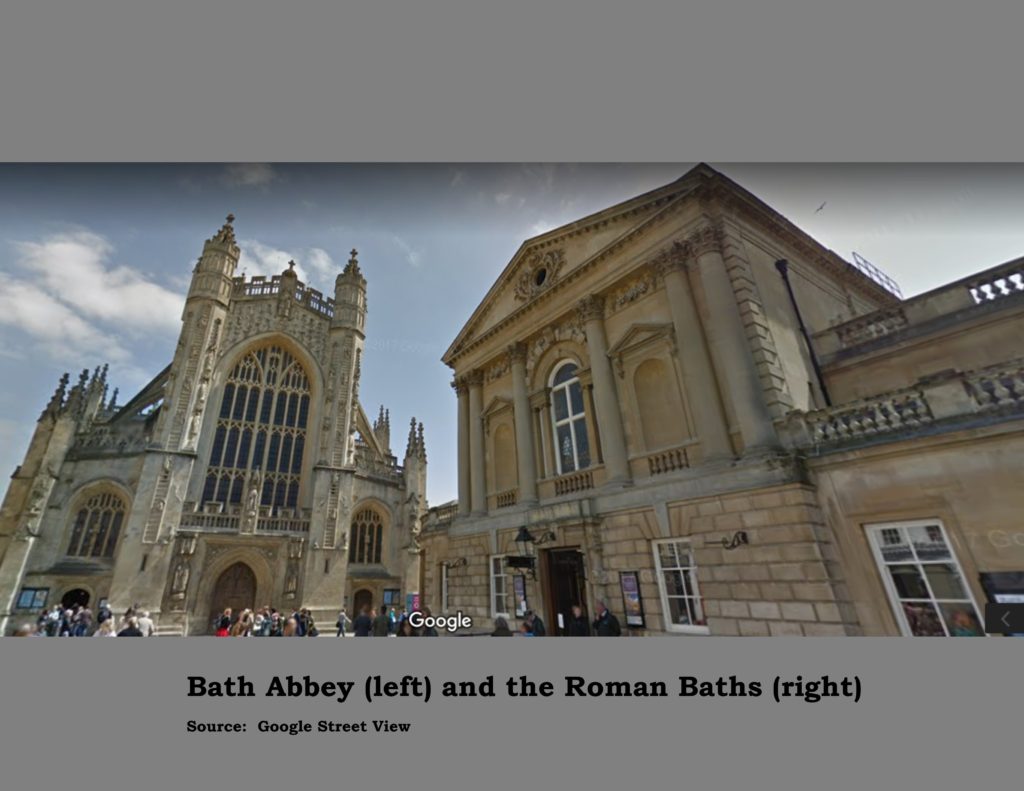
{"x":544,"y":263}
{"x":496,"y":405}
{"x":641,"y":335}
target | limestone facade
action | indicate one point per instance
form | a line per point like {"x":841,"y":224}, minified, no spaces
{"x":247,"y":473}
{"x":636,"y":390}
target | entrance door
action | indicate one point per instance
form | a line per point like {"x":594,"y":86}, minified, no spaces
{"x":566,"y":584}
{"x":236,"y":588}
{"x":74,"y":598}
{"x":362,"y":599}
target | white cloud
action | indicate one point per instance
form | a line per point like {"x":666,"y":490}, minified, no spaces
{"x":75,"y":307}
{"x":248,"y":175}
{"x":75,"y":268}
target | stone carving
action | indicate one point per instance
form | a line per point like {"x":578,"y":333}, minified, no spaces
{"x":256,"y":316}
{"x":540,"y":271}
{"x":571,"y":330}
{"x":590,"y":308}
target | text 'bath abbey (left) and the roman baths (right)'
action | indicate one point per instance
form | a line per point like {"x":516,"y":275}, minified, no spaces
{"x":679,"y":416}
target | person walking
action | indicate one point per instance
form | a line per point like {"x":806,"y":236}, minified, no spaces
{"x":132,"y":629}
{"x":578,"y":626}
{"x":363,"y":624}
{"x":606,"y":624}
{"x":342,"y":620}
{"x":381,"y":624}
{"x":537,"y":628}
{"x":146,"y":625}
{"x":501,"y":628}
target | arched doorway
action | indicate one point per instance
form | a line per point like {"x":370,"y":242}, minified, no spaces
{"x":362,"y":599}
{"x":77,"y":597}
{"x":235,"y":588}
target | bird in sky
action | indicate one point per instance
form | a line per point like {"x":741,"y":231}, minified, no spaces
{"x":822,"y":206}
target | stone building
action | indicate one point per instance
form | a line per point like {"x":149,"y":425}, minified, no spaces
{"x":247,"y":473}
{"x":704,"y":417}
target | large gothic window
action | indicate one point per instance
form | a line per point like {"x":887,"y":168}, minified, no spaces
{"x":261,"y":430}
{"x":367,"y":537}
{"x":572,"y":446}
{"x":97,"y":527}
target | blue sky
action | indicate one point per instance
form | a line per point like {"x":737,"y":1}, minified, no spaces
{"x":96,"y":259}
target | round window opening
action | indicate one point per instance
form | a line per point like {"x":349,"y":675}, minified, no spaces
{"x":540,"y":276}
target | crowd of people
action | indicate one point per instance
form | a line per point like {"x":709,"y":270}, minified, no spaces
{"x":605,"y":625}
{"x":79,"y":621}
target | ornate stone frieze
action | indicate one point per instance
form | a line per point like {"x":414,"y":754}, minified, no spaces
{"x":539,"y":272}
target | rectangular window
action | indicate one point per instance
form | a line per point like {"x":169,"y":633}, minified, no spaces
{"x":443,"y":592}
{"x":923,"y":578}
{"x":33,"y":598}
{"x":392,"y":597}
{"x":499,"y":587}
{"x":677,"y":583}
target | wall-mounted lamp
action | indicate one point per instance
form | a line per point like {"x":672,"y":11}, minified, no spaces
{"x":526,"y":560}
{"x":738,"y":539}
{"x":456,"y":563}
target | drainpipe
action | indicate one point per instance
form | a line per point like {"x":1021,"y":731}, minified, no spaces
{"x":783,"y":266}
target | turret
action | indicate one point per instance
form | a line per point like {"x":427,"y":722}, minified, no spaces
{"x":350,"y":298}
{"x":211,"y":278}
{"x":382,"y":429}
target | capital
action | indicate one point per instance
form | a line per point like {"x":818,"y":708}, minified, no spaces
{"x":460,"y":386}
{"x":671,"y":259}
{"x":706,"y":239}
{"x":517,"y":352}
{"x":474,"y":378}
{"x":590,"y":308}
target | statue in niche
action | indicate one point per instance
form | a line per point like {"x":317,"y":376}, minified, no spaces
{"x":179,"y":584}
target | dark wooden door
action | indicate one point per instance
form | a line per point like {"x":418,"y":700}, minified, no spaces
{"x":236,"y":588}
{"x":363,"y":598}
{"x":566,"y":586}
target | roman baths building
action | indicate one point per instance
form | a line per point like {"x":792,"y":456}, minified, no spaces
{"x":247,"y":473}
{"x":686,"y":407}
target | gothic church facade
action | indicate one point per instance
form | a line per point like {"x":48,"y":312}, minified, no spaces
{"x":246,"y":473}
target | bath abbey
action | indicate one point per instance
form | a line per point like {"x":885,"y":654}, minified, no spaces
{"x":679,"y":416}
{"x":246,"y":473}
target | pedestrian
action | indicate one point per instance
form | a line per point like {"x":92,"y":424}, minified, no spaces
{"x":501,"y":628}
{"x":363,"y":624}
{"x":342,"y":620}
{"x":578,"y":625}
{"x":381,"y":624}
{"x":146,"y":625}
{"x":106,"y":629}
{"x":427,"y":631}
{"x":536,"y":625}
{"x":132,"y":628}
{"x":405,"y":629}
{"x":606,"y":624}
{"x":290,"y":628}
{"x":525,"y":631}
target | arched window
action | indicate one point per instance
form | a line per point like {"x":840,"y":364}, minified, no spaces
{"x":367,"y":537}
{"x":572,"y":446}
{"x":261,"y":427}
{"x":97,"y":527}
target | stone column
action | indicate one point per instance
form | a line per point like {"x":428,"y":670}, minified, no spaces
{"x":524,"y":425}
{"x":462,"y":392}
{"x":691,"y":350}
{"x":609,"y":416}
{"x":478,"y":487}
{"x":730,"y":349}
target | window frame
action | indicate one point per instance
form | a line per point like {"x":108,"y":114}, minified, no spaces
{"x":571,"y":418}
{"x":444,"y":585}
{"x":376,"y":533}
{"x":895,"y":602}
{"x":500,"y":559}
{"x":34,"y":591}
{"x":118,"y":507}
{"x":663,"y":595}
